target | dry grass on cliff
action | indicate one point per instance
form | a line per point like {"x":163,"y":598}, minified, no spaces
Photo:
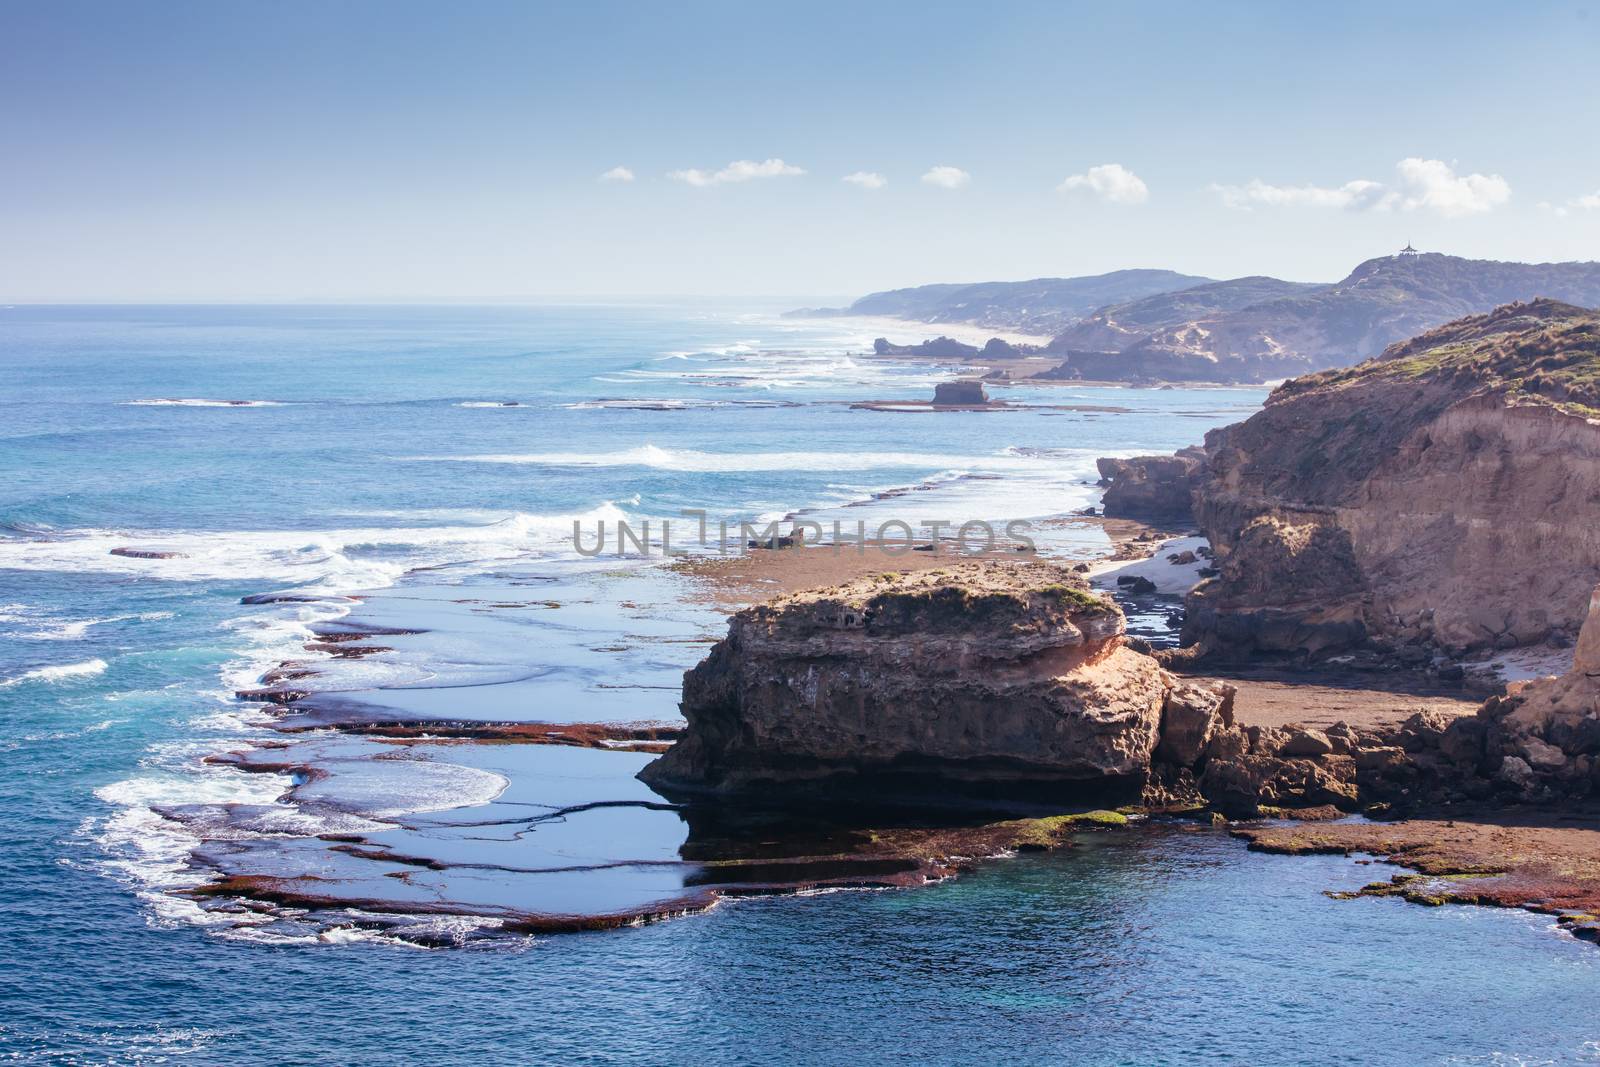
{"x":1543,"y":350}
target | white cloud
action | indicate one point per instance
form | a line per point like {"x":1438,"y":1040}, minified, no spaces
{"x":617,"y":174}
{"x":1434,"y":184}
{"x":1590,"y":202}
{"x":947,"y":177}
{"x":866,"y":179}
{"x":740,"y":170}
{"x":1421,"y":185}
{"x":1111,"y":182}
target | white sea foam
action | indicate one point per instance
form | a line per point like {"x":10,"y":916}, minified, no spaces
{"x":670,"y":404}
{"x":202,"y":402}
{"x":314,"y":561}
{"x":388,"y":788}
{"x":490,"y":404}
{"x":793,"y":367}
{"x":59,"y":673}
{"x":66,"y":631}
{"x":74,"y":629}
{"x":272,"y":636}
{"x":693,"y":461}
{"x":149,"y":851}
{"x":737,"y":348}
{"x":958,"y":495}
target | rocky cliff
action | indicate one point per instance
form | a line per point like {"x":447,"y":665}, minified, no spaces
{"x":1540,"y":743}
{"x":991,"y":679}
{"x":997,"y":683}
{"x":1381,"y":302}
{"x":1445,"y":496}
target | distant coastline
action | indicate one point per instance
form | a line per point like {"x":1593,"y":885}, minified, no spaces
{"x":912,"y":331}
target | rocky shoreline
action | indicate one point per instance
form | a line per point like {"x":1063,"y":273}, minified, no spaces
{"x":1426,"y":513}
{"x":358,"y":761}
{"x":1534,"y":860}
{"x":1374,"y":519}
{"x":876,"y":722}
{"x":1287,"y":788}
{"x":1192,"y":757}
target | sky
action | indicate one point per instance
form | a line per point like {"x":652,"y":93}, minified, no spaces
{"x":225,"y":151}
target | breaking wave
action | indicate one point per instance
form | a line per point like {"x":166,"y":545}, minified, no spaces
{"x":316,"y":561}
{"x":60,"y":673}
{"x":201,"y":402}
{"x":694,"y":461}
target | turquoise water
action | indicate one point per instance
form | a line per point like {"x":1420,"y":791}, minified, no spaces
{"x":372,"y":451}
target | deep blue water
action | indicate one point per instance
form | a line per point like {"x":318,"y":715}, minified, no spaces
{"x":1157,"y":945}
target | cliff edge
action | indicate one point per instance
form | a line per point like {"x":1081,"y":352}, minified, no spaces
{"x":1443,"y":498}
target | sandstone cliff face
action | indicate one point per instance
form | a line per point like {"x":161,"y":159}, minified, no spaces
{"x":1538,"y":744}
{"x":964,"y":393}
{"x":1444,"y":496}
{"x":993,"y":678}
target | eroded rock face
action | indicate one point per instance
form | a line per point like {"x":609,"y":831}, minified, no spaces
{"x":997,"y":678}
{"x":1540,"y":743}
{"x":1445,"y":496}
{"x":1152,"y":487}
{"x":962,"y":393}
{"x":1286,"y":587}
{"x":1191,"y":715}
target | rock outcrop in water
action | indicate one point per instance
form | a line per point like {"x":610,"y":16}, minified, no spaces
{"x":992,"y":679}
{"x":1151,"y":487}
{"x":962,"y":393}
{"x":1442,"y":498}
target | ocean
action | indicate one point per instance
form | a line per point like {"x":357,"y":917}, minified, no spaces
{"x":422,"y":469}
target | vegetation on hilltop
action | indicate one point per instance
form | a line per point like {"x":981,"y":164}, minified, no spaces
{"x":1544,"y":349}
{"x":1041,"y":305}
{"x":1180,"y":306}
{"x":1382,"y":301}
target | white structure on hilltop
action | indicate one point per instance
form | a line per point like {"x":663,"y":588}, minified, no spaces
{"x":1409,"y":251}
